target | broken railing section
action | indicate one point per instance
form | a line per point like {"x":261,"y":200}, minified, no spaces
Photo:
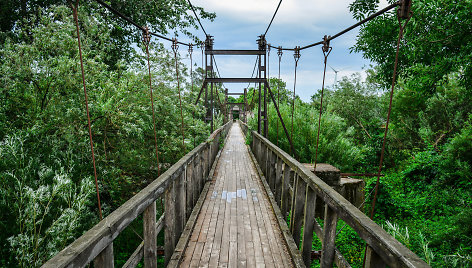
{"x":180,"y":187}
{"x":298,"y":192}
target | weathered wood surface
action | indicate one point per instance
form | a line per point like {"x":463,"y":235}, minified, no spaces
{"x":237,"y":226}
{"x":96,"y":242}
{"x":386,"y":248}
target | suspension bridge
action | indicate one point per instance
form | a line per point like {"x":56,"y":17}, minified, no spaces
{"x":228,"y":204}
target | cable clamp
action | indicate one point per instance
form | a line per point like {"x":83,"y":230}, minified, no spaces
{"x":296,"y":54}
{"x":175,"y":45}
{"x":146,"y":38}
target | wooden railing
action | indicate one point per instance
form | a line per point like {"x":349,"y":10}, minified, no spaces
{"x":180,"y":186}
{"x":298,"y":192}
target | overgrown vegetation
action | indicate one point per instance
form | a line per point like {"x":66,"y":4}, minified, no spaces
{"x":47,"y":192}
{"x":425,"y":197}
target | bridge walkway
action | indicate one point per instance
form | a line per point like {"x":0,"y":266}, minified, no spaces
{"x":237,"y":226}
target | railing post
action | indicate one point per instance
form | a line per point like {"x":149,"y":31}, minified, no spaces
{"x":197,"y":169}
{"x":105,"y":258}
{"x":150,"y":236}
{"x":278,"y":181}
{"x":189,"y":188}
{"x":308,"y":226}
{"x":271,"y":169}
{"x":285,"y":200}
{"x":373,"y":260}
{"x":329,"y":237}
{"x":298,"y":209}
{"x":179,"y":205}
{"x":169,"y":222}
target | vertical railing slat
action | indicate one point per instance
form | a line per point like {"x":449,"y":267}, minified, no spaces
{"x":105,"y":259}
{"x":373,"y":260}
{"x":308,"y":226}
{"x":150,"y":236}
{"x":329,"y":237}
{"x":298,"y":210}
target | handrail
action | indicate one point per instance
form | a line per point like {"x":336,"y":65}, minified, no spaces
{"x":299,"y":191}
{"x":180,"y":184}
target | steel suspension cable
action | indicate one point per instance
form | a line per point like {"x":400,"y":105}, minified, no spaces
{"x":371,"y":17}
{"x":196,"y":16}
{"x":403,"y":13}
{"x":76,"y":19}
{"x":121,"y":15}
{"x":146,"y":40}
{"x":326,"y":51}
{"x":296,"y":56}
{"x":252,"y":75}
{"x":275,"y":13}
{"x":175,"y":48}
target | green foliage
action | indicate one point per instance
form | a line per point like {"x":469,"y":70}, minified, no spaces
{"x":46,"y":177}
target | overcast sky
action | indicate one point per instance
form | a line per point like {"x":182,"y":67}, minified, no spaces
{"x":298,"y":23}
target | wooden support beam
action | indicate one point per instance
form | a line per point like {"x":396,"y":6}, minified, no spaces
{"x":150,"y":236}
{"x":329,"y":237}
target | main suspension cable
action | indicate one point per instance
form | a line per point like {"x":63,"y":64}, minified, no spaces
{"x":196,"y":16}
{"x":76,"y":18}
{"x":326,"y":51}
{"x":371,"y":17}
{"x":146,"y":41}
{"x":121,"y":15}
{"x":296,"y":56}
{"x":275,"y":13}
{"x":175,"y":48}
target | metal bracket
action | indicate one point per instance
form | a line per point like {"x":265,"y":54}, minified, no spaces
{"x":404,"y":12}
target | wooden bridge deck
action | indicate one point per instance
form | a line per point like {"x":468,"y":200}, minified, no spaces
{"x":237,"y":226}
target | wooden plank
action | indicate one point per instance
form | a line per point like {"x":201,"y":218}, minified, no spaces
{"x":373,"y":260}
{"x":285,"y":199}
{"x":169,"y":223}
{"x":105,"y":259}
{"x":180,"y":202}
{"x":189,"y":190}
{"x":281,"y":221}
{"x":150,"y":236}
{"x":272,"y":170}
{"x":278,"y":181}
{"x":329,"y":237}
{"x":308,"y":226}
{"x":298,"y":211}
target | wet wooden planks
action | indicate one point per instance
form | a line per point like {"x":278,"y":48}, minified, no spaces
{"x":236,"y":226}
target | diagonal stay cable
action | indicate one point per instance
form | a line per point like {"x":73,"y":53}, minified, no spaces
{"x":196,"y":16}
{"x":275,"y":13}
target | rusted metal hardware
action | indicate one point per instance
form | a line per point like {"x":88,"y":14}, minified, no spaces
{"x":175,"y":45}
{"x":404,"y":11}
{"x":261,"y":41}
{"x":190,"y":49}
{"x":209,"y":43}
{"x":279,"y":52}
{"x":296,"y":54}
{"x":75,"y":7}
{"x":146,"y":38}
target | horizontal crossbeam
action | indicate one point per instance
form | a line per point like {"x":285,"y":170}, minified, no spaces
{"x":235,"y":80}
{"x":235,"y":52}
{"x":235,"y":94}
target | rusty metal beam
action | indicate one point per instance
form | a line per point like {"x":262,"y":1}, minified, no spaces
{"x":234,"y":52}
{"x":235,"y":80}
